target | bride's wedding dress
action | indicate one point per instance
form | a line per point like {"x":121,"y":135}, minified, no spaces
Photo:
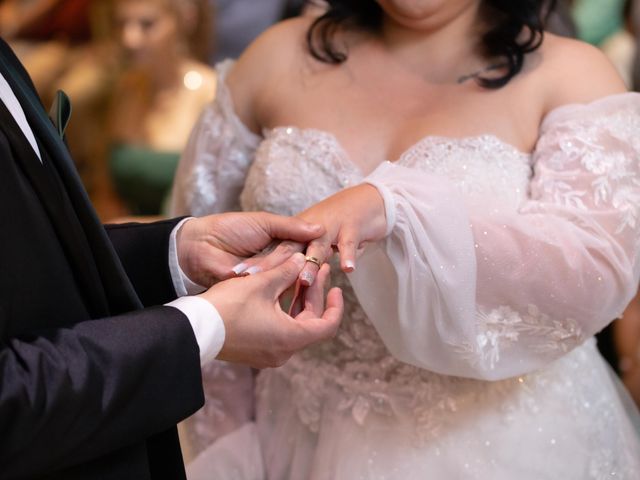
{"x":466,"y":349}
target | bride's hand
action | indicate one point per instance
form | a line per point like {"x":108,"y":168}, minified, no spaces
{"x":218,"y":247}
{"x":351,"y":217}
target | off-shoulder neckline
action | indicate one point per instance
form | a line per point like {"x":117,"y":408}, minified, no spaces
{"x":557,"y":114}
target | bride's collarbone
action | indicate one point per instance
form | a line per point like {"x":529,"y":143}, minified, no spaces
{"x":384,"y":127}
{"x":368,"y":140}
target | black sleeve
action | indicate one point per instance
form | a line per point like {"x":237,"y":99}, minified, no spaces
{"x":71,"y":395}
{"x":143,"y":249}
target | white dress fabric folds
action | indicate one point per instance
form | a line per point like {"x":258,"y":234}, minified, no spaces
{"x":466,"y":351}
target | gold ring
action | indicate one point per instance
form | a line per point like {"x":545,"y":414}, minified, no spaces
{"x":311,"y":259}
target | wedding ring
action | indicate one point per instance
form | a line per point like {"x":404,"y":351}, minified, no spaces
{"x":311,"y":259}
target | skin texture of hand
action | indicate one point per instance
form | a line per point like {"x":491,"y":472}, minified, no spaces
{"x":351,"y":218}
{"x":210,"y":247}
{"x":258,"y":332}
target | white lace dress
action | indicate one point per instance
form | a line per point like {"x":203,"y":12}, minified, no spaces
{"x":466,"y":350}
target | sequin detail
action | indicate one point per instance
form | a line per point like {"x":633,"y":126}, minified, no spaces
{"x":289,"y":169}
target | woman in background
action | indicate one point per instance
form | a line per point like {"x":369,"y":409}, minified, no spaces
{"x":158,"y":96}
{"x":48,"y":35}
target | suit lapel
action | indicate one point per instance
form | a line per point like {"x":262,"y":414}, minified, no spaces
{"x":119,"y":291}
{"x":44,"y":181}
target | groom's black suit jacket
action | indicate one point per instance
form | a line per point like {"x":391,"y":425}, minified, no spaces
{"x":92,"y":383}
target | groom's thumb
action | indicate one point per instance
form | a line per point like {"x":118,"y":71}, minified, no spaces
{"x":283,"y":276}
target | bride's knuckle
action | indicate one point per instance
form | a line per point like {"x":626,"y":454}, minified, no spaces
{"x":346,"y":243}
{"x":320,"y":244}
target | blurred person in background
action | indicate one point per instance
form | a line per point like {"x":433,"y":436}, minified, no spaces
{"x":597,"y":19}
{"x":620,"y":47}
{"x":61,"y":44}
{"x":47,"y":35}
{"x":627,"y":336}
{"x":239,"y":22}
{"x":635,"y":25}
{"x":157,"y":98}
{"x":560,"y":20}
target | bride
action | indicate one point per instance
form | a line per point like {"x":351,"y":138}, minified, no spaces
{"x":489,"y":178}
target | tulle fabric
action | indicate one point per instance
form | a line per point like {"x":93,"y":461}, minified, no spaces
{"x":493,"y":293}
{"x":472,"y":357}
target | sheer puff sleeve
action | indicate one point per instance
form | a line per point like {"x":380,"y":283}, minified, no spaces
{"x":215,"y":162}
{"x":462,"y":291}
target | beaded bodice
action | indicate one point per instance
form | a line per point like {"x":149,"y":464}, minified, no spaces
{"x":288,"y":169}
{"x":295,"y":168}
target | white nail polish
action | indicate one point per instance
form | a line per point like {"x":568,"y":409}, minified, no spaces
{"x":239,"y":268}
{"x":253,"y":270}
{"x":307,"y":277}
{"x":350,"y":265}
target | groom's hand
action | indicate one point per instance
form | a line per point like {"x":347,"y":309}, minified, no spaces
{"x":257,"y":331}
{"x":210,"y":247}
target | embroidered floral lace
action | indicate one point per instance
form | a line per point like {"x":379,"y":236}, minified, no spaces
{"x":499,"y":267}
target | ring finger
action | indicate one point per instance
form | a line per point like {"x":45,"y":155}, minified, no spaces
{"x":318,"y":252}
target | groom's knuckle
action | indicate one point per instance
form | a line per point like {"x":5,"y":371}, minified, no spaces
{"x":320,"y":244}
{"x":269,"y":358}
{"x":278,"y":349}
{"x":289,"y":270}
{"x":277,"y":358}
{"x":287,"y":249}
{"x":281,"y":360}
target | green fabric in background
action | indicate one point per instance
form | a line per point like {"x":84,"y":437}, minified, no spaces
{"x":143,"y":177}
{"x":597,"y":19}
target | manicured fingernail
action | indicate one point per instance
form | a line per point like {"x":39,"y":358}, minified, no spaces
{"x":349,"y":265}
{"x":307,"y":278}
{"x":253,"y":270}
{"x":239,"y":268}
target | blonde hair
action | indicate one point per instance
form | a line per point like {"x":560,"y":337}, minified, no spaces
{"x":195,"y":20}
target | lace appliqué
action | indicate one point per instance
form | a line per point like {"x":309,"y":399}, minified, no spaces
{"x":295,"y":168}
{"x":604,"y":147}
{"x":214,"y":166}
{"x":369,"y":381}
{"x":502,"y":328}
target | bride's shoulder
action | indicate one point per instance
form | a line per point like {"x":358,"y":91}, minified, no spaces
{"x":569,"y":71}
{"x":265,"y":64}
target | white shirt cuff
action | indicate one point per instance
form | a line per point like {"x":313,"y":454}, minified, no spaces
{"x":207,"y":325}
{"x":181,"y":283}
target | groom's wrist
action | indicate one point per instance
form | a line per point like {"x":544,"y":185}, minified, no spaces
{"x":182,"y":284}
{"x":207,"y":325}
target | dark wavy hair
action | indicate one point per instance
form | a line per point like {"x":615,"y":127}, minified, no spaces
{"x":514,"y":28}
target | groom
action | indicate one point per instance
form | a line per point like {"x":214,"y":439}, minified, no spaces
{"x":98,"y":361}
